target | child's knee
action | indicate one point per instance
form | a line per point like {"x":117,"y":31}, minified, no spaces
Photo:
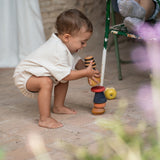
{"x":47,"y":83}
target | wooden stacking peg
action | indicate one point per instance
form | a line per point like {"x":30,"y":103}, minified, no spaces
{"x":99,"y":98}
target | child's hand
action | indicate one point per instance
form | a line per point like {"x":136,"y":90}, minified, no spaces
{"x":91,"y":73}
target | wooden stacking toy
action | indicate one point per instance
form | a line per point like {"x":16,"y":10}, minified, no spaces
{"x":99,"y":98}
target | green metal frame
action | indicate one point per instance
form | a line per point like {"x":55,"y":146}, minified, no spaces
{"x":119,"y":29}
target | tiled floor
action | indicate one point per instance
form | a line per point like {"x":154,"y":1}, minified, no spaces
{"x":19,"y":115}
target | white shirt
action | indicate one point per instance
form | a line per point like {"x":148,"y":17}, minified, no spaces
{"x":51,"y":59}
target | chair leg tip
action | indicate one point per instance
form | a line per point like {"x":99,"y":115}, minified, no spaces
{"x":120,"y":78}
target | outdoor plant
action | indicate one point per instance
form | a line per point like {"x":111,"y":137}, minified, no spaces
{"x":1,"y":154}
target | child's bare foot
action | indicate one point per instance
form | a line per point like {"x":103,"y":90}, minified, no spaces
{"x":50,"y":123}
{"x":63,"y":110}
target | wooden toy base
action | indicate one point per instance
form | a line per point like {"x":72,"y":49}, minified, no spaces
{"x":99,"y":100}
{"x":97,"y":111}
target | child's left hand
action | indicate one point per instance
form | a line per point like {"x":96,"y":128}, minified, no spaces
{"x":96,"y":75}
{"x":94,"y":80}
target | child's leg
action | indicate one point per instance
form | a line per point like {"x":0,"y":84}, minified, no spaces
{"x":149,"y":7}
{"x":131,"y":8}
{"x":60,"y":92}
{"x":133,"y":23}
{"x":43,"y":85}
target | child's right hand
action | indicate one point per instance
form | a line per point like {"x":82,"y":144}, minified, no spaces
{"x":91,"y":73}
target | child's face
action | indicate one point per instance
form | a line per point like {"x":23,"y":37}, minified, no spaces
{"x":78,"y":41}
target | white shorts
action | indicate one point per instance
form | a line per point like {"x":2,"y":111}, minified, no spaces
{"x":21,"y":79}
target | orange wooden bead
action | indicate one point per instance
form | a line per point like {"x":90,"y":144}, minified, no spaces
{"x":100,"y":105}
{"x":98,"y":110}
{"x":89,"y":58}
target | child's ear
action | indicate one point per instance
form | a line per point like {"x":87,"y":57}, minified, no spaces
{"x":66,"y":37}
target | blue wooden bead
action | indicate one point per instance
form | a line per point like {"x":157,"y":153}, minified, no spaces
{"x":99,"y":98}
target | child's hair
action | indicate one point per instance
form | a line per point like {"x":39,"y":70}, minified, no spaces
{"x":71,"y":21}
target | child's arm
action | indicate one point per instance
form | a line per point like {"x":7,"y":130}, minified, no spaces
{"x":87,"y":72}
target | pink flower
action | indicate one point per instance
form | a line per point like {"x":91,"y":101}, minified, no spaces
{"x":140,"y":58}
{"x":150,"y":55}
{"x":149,"y":32}
{"x":145,"y":100}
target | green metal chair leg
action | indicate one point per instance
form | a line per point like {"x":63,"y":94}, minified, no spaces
{"x":117,"y":57}
{"x":116,"y":48}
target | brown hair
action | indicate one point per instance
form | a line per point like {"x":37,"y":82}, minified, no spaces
{"x":71,"y":21}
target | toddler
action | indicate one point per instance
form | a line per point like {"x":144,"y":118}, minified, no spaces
{"x":55,"y":63}
{"x":136,"y":12}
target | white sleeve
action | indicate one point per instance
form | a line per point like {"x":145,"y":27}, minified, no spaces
{"x":61,"y":67}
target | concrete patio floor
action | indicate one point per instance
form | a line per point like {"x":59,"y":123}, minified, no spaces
{"x":19,"y":115}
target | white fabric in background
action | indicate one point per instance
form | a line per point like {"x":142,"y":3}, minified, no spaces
{"x":21,"y":30}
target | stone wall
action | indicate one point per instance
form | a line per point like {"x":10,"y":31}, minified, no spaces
{"x":50,"y":9}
